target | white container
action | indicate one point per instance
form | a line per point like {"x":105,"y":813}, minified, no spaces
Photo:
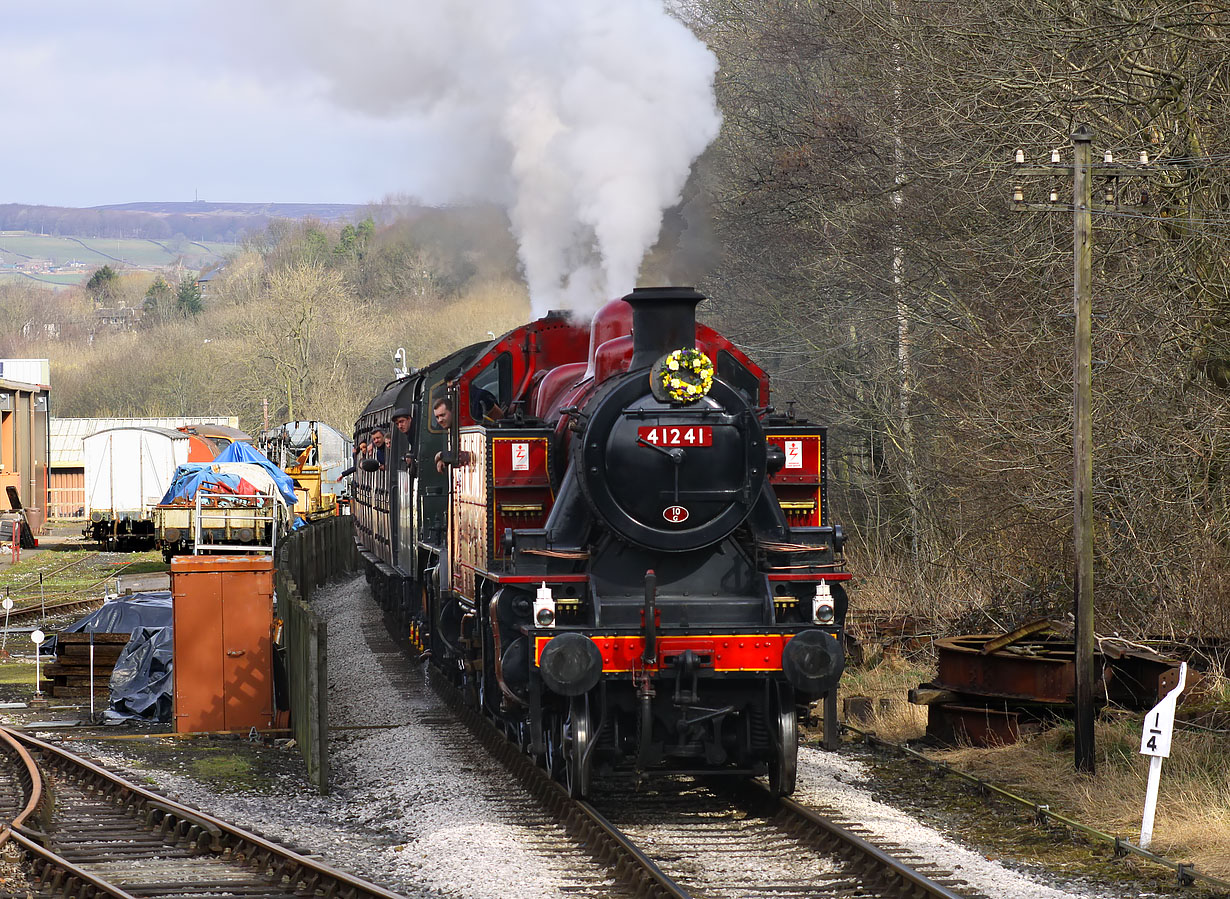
{"x":26,"y":371}
{"x":127,"y":470}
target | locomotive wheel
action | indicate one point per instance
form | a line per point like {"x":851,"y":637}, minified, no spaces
{"x":784,"y":725}
{"x":578,"y":731}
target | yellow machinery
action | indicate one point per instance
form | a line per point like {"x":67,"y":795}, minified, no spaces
{"x":310,"y":500}
{"x":298,"y":449}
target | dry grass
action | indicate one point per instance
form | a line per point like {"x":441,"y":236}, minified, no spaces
{"x":885,"y":680}
{"x":937,"y":596}
{"x":494,"y":306}
{"x":1193,"y":813}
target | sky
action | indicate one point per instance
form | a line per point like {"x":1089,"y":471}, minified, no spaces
{"x":128,"y":101}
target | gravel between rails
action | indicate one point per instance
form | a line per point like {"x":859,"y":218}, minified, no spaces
{"x":417,"y":808}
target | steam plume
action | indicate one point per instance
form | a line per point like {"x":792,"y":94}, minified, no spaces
{"x":581,"y":117}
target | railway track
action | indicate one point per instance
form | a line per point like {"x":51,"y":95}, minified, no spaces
{"x":32,"y":607}
{"x":37,"y":613}
{"x":708,"y":838}
{"x":106,"y":837}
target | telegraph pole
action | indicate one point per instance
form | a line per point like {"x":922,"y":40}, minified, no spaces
{"x":1083,"y":172}
{"x":1082,"y":443}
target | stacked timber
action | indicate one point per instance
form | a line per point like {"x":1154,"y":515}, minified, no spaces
{"x":69,"y":674}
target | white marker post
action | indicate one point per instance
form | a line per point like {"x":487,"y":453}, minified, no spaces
{"x":37,"y":637}
{"x":8,"y":607}
{"x":1155,"y":742}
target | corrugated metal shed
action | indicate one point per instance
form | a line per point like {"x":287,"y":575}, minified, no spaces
{"x":67,"y":433}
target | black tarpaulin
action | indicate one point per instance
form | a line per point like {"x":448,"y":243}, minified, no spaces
{"x":141,"y":680}
{"x":125,"y":614}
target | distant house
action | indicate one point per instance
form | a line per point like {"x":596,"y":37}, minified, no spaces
{"x":51,"y":330}
{"x":206,"y":276}
{"x":122,"y":318}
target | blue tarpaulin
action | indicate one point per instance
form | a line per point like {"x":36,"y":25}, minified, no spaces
{"x":243,"y":452}
{"x":193,"y":476}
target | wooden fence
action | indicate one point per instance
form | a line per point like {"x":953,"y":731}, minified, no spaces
{"x":309,"y":558}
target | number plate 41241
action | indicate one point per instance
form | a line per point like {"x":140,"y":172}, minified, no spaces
{"x":691,"y":435}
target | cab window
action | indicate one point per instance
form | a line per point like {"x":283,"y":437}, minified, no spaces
{"x":491,"y":389}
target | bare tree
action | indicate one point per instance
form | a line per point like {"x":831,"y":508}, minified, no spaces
{"x":863,"y":178}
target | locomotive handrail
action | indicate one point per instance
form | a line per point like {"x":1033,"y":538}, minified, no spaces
{"x":791,"y":547}
{"x":712,"y":416}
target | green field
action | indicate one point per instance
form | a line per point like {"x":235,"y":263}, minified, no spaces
{"x":22,"y":247}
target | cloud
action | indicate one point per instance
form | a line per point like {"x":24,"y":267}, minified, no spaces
{"x":127,"y":101}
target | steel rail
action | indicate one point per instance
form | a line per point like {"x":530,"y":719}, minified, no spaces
{"x":25,"y":612}
{"x":72,"y":880}
{"x":47,"y":575}
{"x":92,"y":584}
{"x":608,"y":845}
{"x":62,"y":876}
{"x":1186,"y":874}
{"x":611,"y":847}
{"x":32,"y":774}
{"x":870,"y":859}
{"x":209,"y":834}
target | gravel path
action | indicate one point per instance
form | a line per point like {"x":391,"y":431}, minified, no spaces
{"x":419,"y":809}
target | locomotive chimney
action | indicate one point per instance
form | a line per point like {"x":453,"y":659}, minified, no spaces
{"x":663,"y":319}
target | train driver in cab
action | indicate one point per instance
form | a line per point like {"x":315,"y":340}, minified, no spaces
{"x":483,"y":404}
{"x":402,"y":420}
{"x":442,"y":410}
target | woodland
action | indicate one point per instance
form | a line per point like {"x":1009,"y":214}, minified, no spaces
{"x":862,"y":193}
{"x":854,"y":227}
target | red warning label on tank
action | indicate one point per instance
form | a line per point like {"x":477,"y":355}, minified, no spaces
{"x":675,"y":514}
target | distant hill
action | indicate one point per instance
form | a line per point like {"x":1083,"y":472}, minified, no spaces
{"x":211,"y":222}
{"x":326,"y":212}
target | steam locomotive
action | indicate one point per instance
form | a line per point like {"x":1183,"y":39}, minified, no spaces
{"x":605,"y":535}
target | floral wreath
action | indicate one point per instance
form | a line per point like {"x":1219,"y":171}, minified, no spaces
{"x":682,"y":376}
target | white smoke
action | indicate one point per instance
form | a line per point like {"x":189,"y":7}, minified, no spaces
{"x":581,"y":117}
